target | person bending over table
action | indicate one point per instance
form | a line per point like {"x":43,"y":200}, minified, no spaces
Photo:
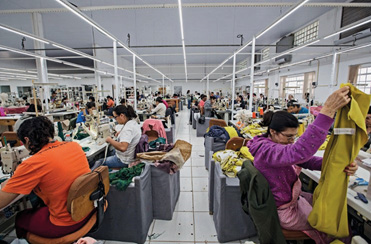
{"x":49,"y":173}
{"x":160,"y":109}
{"x":127,"y":139}
{"x":276,"y":153}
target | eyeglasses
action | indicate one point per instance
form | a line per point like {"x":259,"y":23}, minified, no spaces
{"x":289,"y":137}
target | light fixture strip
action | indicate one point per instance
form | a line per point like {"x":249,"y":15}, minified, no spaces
{"x":10,"y":29}
{"x":349,"y":28}
{"x":292,"y":10}
{"x":76,"y":52}
{"x":182,"y":36}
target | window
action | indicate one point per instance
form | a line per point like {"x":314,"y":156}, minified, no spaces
{"x":294,"y":84}
{"x":364,"y":79}
{"x":265,"y":53}
{"x":307,"y":34}
{"x":259,"y":87}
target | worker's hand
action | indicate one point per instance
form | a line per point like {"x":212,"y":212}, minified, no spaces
{"x":335,"y":101}
{"x":4,"y":183}
{"x":351,"y":169}
{"x":108,"y":139}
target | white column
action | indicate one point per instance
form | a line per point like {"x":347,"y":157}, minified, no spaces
{"x":233,"y":82}
{"x":135,"y":83}
{"x":208,"y":88}
{"x":252,"y":73}
{"x":163,"y":86}
{"x":120,"y":85}
{"x":98,"y":82}
{"x":333,"y":72}
{"x":42,"y":70}
{"x":116,"y":72}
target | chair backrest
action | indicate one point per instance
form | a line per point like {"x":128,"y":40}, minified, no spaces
{"x":235,"y":143}
{"x":83,"y":191}
{"x":10,"y":136}
{"x":218,"y":122}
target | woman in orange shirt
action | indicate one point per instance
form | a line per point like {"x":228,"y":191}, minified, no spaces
{"x":49,"y":173}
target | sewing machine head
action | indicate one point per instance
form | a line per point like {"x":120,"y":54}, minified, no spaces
{"x":12,"y":157}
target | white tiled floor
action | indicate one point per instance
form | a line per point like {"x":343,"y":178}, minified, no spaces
{"x":191,"y":221}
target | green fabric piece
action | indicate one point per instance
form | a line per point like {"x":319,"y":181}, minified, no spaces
{"x":60,"y":131}
{"x":86,"y":149}
{"x":160,"y":140}
{"x":122,"y":178}
{"x":258,"y":202}
{"x":80,"y":135}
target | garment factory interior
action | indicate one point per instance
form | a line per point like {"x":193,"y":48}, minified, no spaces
{"x":147,"y":121}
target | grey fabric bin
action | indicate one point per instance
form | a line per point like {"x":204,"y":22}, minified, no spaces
{"x":129,"y":213}
{"x":231,"y":222}
{"x":211,"y":184}
{"x":193,"y":119}
{"x":211,"y":145}
{"x":201,"y":128}
{"x":170,"y":134}
{"x":165,"y":193}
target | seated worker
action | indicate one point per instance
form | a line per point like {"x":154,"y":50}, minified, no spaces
{"x":276,"y":153}
{"x":295,"y":108}
{"x":123,"y":102}
{"x":201,"y":104}
{"x":49,"y":173}
{"x":110,"y":102}
{"x":90,"y":106}
{"x":160,"y":108}
{"x":240,"y":102}
{"x":209,"y":106}
{"x":30,"y":109}
{"x":53,"y":97}
{"x":127,"y":139}
{"x":91,"y":99}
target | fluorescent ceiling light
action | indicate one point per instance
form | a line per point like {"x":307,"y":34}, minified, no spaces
{"x":355,"y":48}
{"x":280,"y":19}
{"x":75,"y":52}
{"x":85,"y":18}
{"x":15,"y":70}
{"x":348,"y":28}
{"x":8,"y":28}
{"x":182,"y":36}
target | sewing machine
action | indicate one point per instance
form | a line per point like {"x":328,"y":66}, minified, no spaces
{"x":12,"y":157}
{"x":98,"y":132}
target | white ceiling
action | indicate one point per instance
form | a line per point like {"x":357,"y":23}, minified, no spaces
{"x":157,"y":26}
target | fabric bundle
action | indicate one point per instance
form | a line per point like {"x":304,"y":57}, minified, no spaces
{"x":122,"y":178}
{"x":231,"y":161}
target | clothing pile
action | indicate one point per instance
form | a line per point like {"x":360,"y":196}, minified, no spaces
{"x":253,"y":130}
{"x":122,"y":178}
{"x":231,"y":161}
{"x":156,"y":142}
{"x":171,"y":159}
{"x":222,"y":133}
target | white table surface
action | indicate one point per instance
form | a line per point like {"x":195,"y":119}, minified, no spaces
{"x":10,"y":116}
{"x":361,"y":207}
{"x":94,"y":147}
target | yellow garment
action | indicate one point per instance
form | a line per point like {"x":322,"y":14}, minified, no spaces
{"x":301,"y":129}
{"x":231,"y":161}
{"x":329,"y":213}
{"x":254,"y":130}
{"x":324,"y":145}
{"x":231,"y":131}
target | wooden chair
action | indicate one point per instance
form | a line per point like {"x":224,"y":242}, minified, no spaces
{"x":235,"y":143}
{"x":218,"y":122}
{"x":87,"y":193}
{"x":295,"y":235}
{"x":10,"y":136}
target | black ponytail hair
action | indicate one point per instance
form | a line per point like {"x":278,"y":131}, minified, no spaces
{"x":39,"y":130}
{"x":279,"y":121}
{"x":128,"y":111}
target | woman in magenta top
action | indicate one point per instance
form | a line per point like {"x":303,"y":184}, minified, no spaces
{"x":277,"y":155}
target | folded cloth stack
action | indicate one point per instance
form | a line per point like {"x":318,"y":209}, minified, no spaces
{"x":231,"y":161}
{"x":122,"y":178}
{"x":253,"y":130}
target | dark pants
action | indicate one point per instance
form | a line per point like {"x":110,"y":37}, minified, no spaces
{"x":37,"y":221}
